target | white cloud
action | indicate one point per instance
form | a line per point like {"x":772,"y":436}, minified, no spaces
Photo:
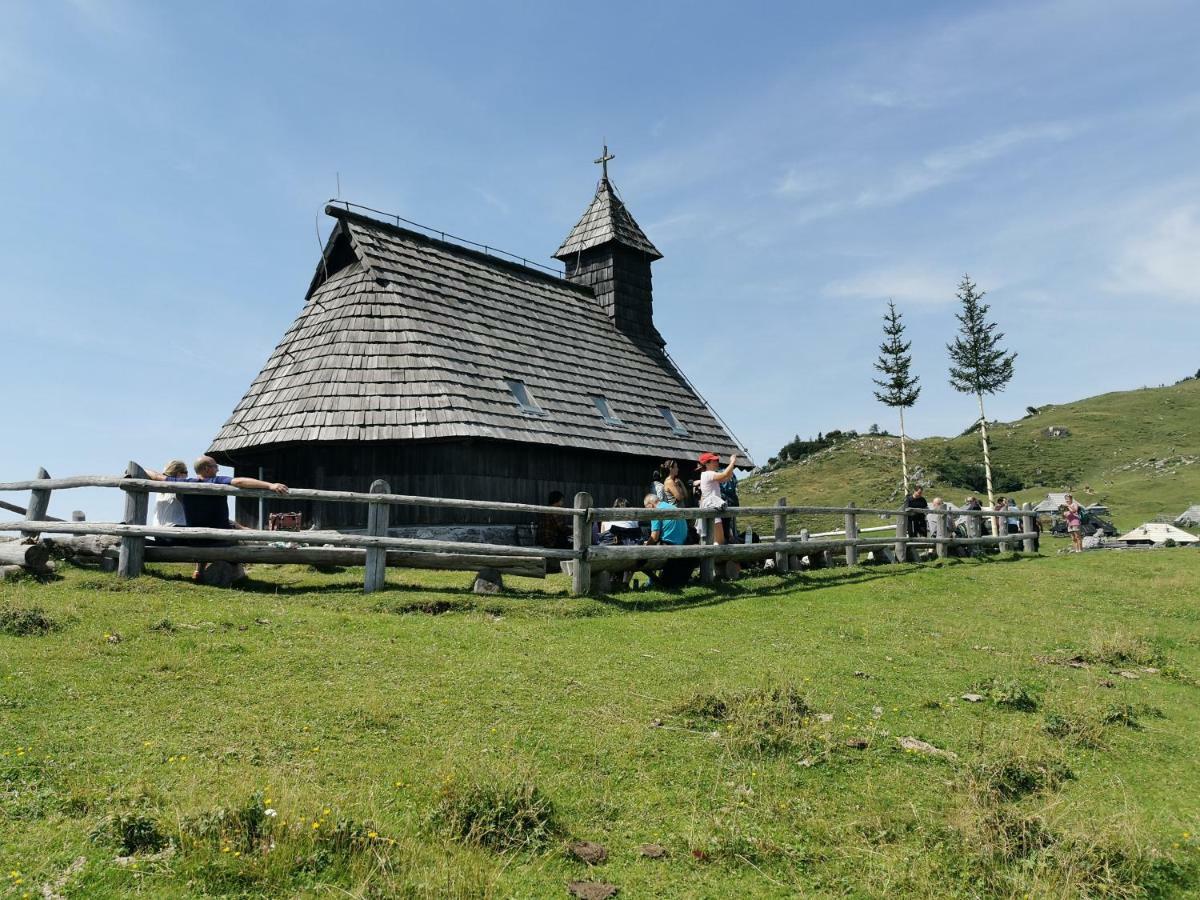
{"x":1164,"y":261}
{"x":798,"y":183}
{"x":955,"y":162}
{"x":904,"y":285}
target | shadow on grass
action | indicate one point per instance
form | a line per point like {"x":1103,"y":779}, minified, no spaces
{"x":692,"y":596}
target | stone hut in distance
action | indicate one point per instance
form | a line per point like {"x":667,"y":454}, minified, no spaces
{"x":450,"y":372}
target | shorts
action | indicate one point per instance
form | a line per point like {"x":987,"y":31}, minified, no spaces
{"x":1074,"y":529}
{"x":712,"y":501}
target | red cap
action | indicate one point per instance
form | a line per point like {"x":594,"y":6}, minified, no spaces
{"x":706,"y":458}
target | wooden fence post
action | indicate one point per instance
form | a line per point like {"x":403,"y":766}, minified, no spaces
{"x":708,"y":565}
{"x":974,"y":530}
{"x":377,"y":525}
{"x":132,"y":560}
{"x":781,"y":557}
{"x":39,"y":504}
{"x":851,"y":536}
{"x":1028,"y":525}
{"x":581,"y":541}
{"x":902,"y":536}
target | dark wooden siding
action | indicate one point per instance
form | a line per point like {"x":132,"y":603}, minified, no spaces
{"x":474,"y":469}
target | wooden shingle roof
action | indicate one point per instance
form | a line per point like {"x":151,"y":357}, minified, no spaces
{"x":606,"y":219}
{"x":406,"y":337}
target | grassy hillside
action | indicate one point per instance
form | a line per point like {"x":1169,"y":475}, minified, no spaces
{"x":299,"y":739}
{"x":1136,"y":451}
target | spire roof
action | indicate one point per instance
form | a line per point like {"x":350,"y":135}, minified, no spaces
{"x":606,"y":220}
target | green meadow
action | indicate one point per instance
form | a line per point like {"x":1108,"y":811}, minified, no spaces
{"x":1136,"y":451}
{"x":296,"y":738}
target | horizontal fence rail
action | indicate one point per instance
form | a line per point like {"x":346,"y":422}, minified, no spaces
{"x":376,"y":549}
{"x":185,"y":487}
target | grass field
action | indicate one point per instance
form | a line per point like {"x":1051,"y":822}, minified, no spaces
{"x":297,"y":738}
{"x":1136,"y":451}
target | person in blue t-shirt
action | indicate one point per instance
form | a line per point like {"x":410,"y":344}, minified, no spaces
{"x":674,"y":572}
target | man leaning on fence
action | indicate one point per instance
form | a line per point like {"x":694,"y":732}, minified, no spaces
{"x":212,"y":511}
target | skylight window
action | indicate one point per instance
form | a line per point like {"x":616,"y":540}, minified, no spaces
{"x":672,"y":422}
{"x":606,"y":413}
{"x":524,"y":399}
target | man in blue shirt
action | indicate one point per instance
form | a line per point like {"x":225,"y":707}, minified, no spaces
{"x":674,"y":572}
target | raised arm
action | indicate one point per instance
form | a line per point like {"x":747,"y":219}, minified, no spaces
{"x":255,"y":484}
{"x":727,"y":472}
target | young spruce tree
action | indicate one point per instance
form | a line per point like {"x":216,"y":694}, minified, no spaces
{"x":978,"y":365}
{"x":899,"y":387}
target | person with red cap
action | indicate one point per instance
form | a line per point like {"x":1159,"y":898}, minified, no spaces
{"x":710,"y":487}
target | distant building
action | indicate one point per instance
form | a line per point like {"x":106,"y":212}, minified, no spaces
{"x":1189,"y":518}
{"x":1158,"y":533}
{"x":450,"y":372}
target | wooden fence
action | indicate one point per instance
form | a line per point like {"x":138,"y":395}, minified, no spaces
{"x":375,"y":550}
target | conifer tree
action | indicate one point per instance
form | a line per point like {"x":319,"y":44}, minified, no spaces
{"x":900,"y":388}
{"x":978,"y":364}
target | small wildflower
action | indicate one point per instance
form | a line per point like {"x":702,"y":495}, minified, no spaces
{"x":270,"y":813}
{"x":372,"y":834}
{"x":325,"y":811}
{"x":267,"y":801}
{"x":224,"y":849}
{"x":316,"y":825}
{"x":237,"y":853}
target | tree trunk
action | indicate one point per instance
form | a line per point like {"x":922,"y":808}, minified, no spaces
{"x":987,"y":459}
{"x":903,"y":454}
{"x":31,"y":556}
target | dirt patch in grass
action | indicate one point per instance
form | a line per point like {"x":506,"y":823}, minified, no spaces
{"x":502,"y":813}
{"x":429,"y":607}
{"x":21,"y":621}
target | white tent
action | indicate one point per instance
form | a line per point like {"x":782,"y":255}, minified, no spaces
{"x":1190,"y":518}
{"x":1157,"y":533}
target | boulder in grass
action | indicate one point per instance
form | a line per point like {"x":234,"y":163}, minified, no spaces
{"x":589,"y":852}
{"x":924,"y":748}
{"x":592,"y":890}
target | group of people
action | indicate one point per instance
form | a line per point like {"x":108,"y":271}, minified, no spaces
{"x":940,"y":520}
{"x":199,"y":510}
{"x":714,"y":487}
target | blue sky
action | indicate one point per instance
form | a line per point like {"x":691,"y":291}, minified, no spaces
{"x":164,"y":167}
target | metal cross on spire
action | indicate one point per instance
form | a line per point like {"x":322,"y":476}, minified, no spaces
{"x":603,"y":162}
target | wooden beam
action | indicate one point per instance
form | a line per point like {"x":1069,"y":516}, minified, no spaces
{"x":526,"y":567}
{"x":581,"y":542}
{"x":39,"y":501}
{"x":851,"y":535}
{"x":133,"y":546}
{"x":781,"y":558}
{"x":18,"y":553}
{"x":333,"y":538}
{"x":377,"y":524}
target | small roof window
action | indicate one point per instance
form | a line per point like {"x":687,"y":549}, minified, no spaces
{"x":606,"y":413}
{"x":524,"y":399}
{"x":672,"y":422}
